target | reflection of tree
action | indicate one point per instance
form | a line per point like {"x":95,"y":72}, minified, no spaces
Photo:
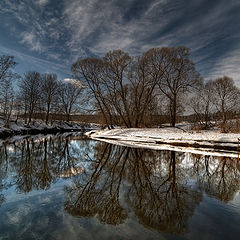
{"x":119,"y":181}
{"x":155,"y":189}
{"x":44,"y":175}
{"x":37,"y":163}
{"x":161,"y":200}
{"x":218,"y":176}
{"x":3,"y":171}
{"x":99,"y":192}
{"x":26,"y":168}
{"x":64,"y":157}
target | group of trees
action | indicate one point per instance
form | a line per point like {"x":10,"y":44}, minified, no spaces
{"x":45,"y":94}
{"x":126,"y":90}
{"x":131,"y":90}
{"x":215,"y":99}
{"x":35,"y":93}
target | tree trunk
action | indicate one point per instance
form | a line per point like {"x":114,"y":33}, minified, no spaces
{"x":174,"y":111}
{"x":223,"y":120}
{"x":68,"y":117}
{"x":47,"y":116}
{"x":29,"y":117}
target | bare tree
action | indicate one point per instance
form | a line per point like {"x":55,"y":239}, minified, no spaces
{"x":7,"y":76}
{"x":49,"y":92}
{"x":69,"y":95}
{"x":202,"y":105}
{"x":143,"y":82}
{"x":7,"y":63}
{"x":6,"y":99}
{"x":225,"y":96}
{"x":178,"y":74}
{"x":29,"y":93}
{"x":122,"y":86}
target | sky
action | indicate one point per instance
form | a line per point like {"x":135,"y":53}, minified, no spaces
{"x":49,"y":35}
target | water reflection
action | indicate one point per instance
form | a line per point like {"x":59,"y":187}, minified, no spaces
{"x":161,"y":189}
{"x":34,"y":164}
{"x":218,"y":177}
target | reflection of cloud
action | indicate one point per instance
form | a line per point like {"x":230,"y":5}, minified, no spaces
{"x":236,"y":201}
{"x":16,"y":217}
{"x":43,"y":214}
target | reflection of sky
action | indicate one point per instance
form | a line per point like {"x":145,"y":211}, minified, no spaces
{"x":235,"y":203}
{"x":85,"y":157}
{"x":11,"y":195}
{"x":212,"y":217}
{"x":40,"y":214}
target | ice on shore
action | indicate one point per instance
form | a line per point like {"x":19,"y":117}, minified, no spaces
{"x":205,"y":142}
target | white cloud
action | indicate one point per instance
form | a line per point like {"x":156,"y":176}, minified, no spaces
{"x":105,"y":20}
{"x":154,"y":6}
{"x":32,"y":41}
{"x":41,"y":3}
{"x":103,"y":25}
{"x":36,"y":63}
{"x":74,"y":82}
{"x":227,"y":66}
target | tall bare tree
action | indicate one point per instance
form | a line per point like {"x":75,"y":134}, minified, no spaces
{"x":178,"y":75}
{"x":6,"y":99}
{"x":202,"y":105}
{"x":7,"y":76}
{"x":30,"y":92}
{"x":225,"y":96}
{"x":49,"y":93}
{"x":69,"y":95}
{"x":7,"y":63}
{"x":143,"y":82}
{"x":121,"y":85}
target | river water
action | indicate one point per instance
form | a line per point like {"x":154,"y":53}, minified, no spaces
{"x":70,"y":187}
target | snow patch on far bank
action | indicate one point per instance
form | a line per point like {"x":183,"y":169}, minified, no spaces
{"x":206,"y":142}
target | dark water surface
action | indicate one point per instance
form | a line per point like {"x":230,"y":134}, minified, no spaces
{"x":60,"y":187}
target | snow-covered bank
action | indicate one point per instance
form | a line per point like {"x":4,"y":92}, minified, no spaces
{"x":18,"y":139}
{"x":20,"y":128}
{"x":207,"y":142}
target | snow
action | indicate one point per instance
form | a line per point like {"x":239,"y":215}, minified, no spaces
{"x":165,"y":135}
{"x":206,"y":142}
{"x":19,"y":127}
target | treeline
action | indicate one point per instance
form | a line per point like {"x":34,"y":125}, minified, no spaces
{"x":123,"y":90}
{"x":35,"y":94}
{"x":130,"y":90}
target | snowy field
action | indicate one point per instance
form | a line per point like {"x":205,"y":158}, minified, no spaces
{"x":205,"y":142}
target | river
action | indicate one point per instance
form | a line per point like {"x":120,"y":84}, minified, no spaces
{"x":70,"y":187}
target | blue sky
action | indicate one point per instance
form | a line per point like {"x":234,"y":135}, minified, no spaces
{"x":49,"y":35}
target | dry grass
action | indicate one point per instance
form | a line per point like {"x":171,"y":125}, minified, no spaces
{"x":231,"y":126}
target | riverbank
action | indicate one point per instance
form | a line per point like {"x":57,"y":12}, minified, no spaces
{"x":205,"y":142}
{"x":19,"y":128}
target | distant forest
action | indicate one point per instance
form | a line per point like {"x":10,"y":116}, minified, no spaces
{"x":159,"y":86}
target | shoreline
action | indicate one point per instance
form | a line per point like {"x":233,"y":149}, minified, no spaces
{"x":206,"y":142}
{"x":40,"y":128}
